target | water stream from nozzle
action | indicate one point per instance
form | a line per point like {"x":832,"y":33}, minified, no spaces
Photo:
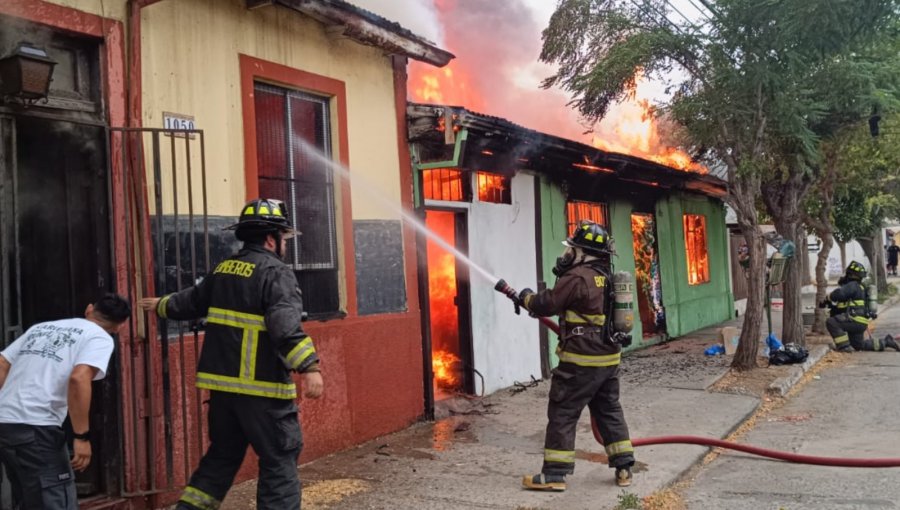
{"x":373,"y":190}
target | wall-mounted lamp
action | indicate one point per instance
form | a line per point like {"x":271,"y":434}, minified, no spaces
{"x":25,"y":74}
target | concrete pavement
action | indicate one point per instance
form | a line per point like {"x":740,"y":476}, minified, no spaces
{"x":477,"y":457}
{"x":852,"y":410}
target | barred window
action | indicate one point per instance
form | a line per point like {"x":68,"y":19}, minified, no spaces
{"x":695,"y":248}
{"x":577,"y":210}
{"x":443,"y":184}
{"x":493,"y":188}
{"x":291,"y":126}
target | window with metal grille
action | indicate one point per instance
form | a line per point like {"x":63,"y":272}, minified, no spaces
{"x":577,"y":210}
{"x":493,"y":188}
{"x":293,"y":134}
{"x":695,"y":248}
{"x":443,"y":184}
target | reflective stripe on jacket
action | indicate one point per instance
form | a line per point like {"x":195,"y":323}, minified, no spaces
{"x":254,"y":338}
{"x":850,"y":298}
{"x":579,"y":298}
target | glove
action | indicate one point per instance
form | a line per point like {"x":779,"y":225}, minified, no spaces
{"x":873,"y":315}
{"x":525,"y":293}
{"x":622,"y":339}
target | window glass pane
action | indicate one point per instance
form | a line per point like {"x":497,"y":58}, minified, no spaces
{"x":695,"y":248}
{"x":577,"y":210}
{"x":292,"y":142}
{"x":494,"y":188}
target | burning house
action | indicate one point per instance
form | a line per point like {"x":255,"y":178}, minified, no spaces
{"x":507,"y":196}
{"x":162,"y":119}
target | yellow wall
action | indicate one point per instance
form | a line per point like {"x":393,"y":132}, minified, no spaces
{"x":114,"y":9}
{"x":190,"y":65}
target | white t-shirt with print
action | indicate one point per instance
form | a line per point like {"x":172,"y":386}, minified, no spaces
{"x":36,"y":391}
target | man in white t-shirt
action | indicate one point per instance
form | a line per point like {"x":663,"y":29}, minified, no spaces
{"x":45,"y":374}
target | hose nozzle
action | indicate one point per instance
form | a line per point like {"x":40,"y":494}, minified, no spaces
{"x":504,"y":288}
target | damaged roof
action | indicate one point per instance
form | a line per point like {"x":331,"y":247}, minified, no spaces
{"x":505,"y":147}
{"x":365,"y":27}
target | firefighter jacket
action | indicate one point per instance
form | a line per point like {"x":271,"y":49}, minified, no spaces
{"x":254,"y":338}
{"x":850,"y":298}
{"x":579,"y":298}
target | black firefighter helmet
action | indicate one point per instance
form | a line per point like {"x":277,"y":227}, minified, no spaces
{"x":590,"y":237}
{"x":855,"y":271}
{"x":263,"y":215}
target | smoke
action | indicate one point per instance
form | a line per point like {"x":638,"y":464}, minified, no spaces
{"x":419,"y":16}
{"x":497,"y":71}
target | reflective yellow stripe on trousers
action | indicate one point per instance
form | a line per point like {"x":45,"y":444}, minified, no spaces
{"x":564,"y":456}
{"x":196,"y":497}
{"x":619,"y":447}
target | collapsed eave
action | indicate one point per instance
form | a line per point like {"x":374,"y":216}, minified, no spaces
{"x":365,"y":27}
{"x":505,"y":147}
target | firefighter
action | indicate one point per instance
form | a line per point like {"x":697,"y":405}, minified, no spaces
{"x":850,"y":314}
{"x":588,"y":371}
{"x":254,"y":341}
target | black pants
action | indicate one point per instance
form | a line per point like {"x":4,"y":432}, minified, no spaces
{"x":235,"y":421}
{"x":844,"y":329}
{"x":37,"y":463}
{"x":573,"y":387}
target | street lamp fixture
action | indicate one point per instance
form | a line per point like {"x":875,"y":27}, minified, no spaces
{"x":25,"y":74}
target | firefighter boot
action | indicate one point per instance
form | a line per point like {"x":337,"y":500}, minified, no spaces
{"x":890,"y":342}
{"x":545,"y":482}
{"x":623,"y":476}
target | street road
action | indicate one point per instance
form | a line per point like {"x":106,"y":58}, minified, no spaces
{"x":850,"y":411}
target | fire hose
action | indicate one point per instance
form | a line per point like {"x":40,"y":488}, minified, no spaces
{"x":511,"y":293}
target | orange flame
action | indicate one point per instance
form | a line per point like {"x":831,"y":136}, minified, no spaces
{"x":441,"y":300}
{"x":445,"y":366}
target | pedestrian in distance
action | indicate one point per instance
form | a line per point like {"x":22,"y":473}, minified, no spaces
{"x":589,"y":356}
{"x":254,"y":342}
{"x":46,"y":374}
{"x":892,"y":254}
{"x":851,"y":316}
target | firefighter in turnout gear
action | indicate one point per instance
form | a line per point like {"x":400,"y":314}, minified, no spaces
{"x":254,"y":341}
{"x":588,"y":370}
{"x":850,"y":314}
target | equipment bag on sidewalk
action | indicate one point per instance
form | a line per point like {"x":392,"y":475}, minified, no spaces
{"x":790,"y":354}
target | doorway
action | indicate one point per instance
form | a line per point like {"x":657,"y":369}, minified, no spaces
{"x":648,"y":282}
{"x":56,"y":249}
{"x":449,"y":307}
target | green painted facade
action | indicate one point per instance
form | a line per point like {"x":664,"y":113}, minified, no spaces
{"x":688,"y":307}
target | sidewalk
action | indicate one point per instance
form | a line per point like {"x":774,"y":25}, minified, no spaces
{"x":477,"y":457}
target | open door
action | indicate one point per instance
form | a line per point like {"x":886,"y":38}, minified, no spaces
{"x":647,"y":277}
{"x":449,"y":307}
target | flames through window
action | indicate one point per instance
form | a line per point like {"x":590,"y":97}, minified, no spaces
{"x":695,"y":248}
{"x":577,"y":210}
{"x":493,"y":188}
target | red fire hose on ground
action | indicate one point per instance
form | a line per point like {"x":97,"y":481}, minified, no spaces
{"x":511,"y":293}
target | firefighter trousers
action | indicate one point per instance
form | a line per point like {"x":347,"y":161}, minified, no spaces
{"x":235,"y":421}
{"x":573,"y":387}
{"x":846,"y":331}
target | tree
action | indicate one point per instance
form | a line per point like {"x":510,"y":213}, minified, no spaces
{"x":744,"y":100}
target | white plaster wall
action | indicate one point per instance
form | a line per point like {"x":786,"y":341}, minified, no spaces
{"x":502,"y":240}
{"x":835,"y":269}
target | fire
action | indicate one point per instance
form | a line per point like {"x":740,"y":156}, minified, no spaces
{"x":442,"y":292}
{"x":632,"y":129}
{"x":445,"y":366}
{"x":646,"y":271}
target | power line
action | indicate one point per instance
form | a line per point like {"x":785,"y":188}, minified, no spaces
{"x":691,"y":23}
{"x":662,"y":15}
{"x":700,"y":10}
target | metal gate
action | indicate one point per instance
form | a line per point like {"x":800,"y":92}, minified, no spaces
{"x":162,"y":189}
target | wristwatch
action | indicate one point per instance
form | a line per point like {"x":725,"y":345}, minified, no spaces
{"x":86,"y":436}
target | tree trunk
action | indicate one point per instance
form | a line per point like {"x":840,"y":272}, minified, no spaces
{"x":822,"y":281}
{"x":792,"y":289}
{"x":748,"y":345}
{"x":878,"y":268}
{"x":868,"y":247}
{"x":843,"y":249}
{"x":805,"y":276}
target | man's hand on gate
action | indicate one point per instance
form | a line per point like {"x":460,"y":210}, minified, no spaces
{"x":82,"y":455}
{"x":312,"y":384}
{"x":148,"y":304}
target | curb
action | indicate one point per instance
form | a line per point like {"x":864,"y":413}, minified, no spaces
{"x":784,"y":384}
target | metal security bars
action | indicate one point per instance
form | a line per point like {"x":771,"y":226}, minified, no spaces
{"x":167,"y":231}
